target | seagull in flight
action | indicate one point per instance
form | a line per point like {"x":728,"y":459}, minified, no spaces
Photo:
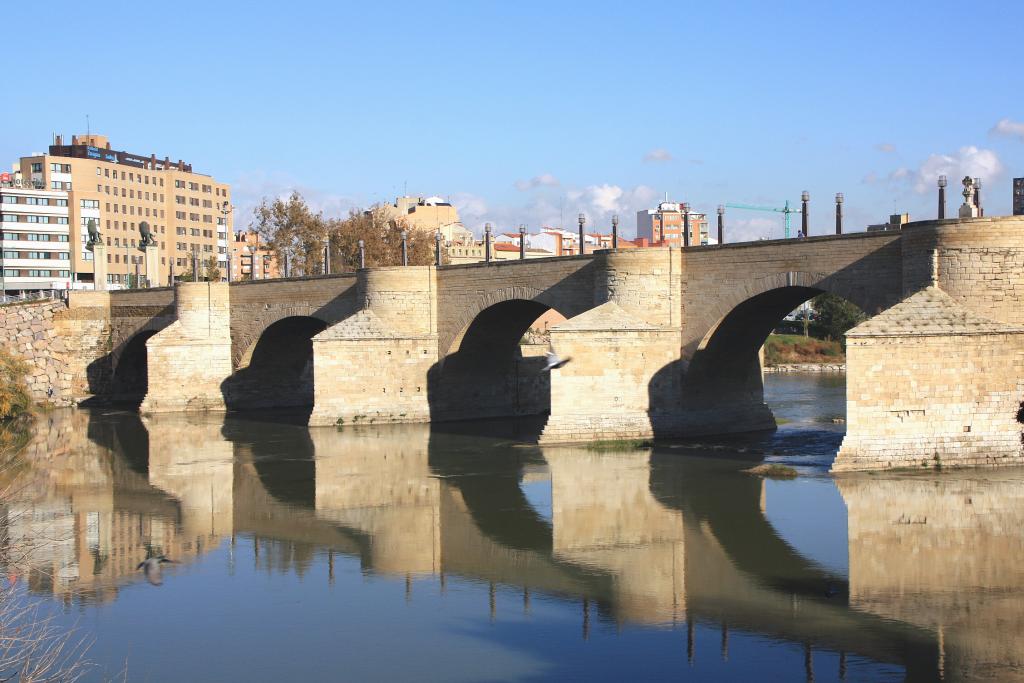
{"x":554,"y":361}
{"x":152,"y":570}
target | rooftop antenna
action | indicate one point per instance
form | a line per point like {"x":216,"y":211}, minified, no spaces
{"x":88,"y":130}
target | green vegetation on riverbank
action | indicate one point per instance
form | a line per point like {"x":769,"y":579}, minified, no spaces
{"x":14,"y":397}
{"x":781,"y":349}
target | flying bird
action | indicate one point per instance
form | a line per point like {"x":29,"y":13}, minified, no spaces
{"x":554,"y":361}
{"x":151,"y":568}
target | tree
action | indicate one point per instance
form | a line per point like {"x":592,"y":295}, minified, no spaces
{"x":835,"y":316}
{"x":213,"y":273}
{"x":382,"y":239}
{"x":294,"y":232}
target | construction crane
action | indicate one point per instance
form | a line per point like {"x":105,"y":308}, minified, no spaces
{"x":786,"y":210}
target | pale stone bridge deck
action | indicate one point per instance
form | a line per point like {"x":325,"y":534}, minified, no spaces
{"x":664,"y":341}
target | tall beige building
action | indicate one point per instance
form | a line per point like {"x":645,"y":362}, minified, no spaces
{"x":120,"y":190}
{"x":431,"y":214}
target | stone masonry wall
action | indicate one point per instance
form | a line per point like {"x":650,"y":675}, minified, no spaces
{"x":190,"y":359}
{"x":979,"y":263}
{"x":257,"y":304}
{"x":864,"y":268}
{"x":28,"y":332}
{"x":933,"y":401}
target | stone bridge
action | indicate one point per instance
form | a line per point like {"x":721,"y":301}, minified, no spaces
{"x":665,"y":342}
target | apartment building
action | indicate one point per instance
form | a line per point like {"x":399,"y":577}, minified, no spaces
{"x":121,"y":190}
{"x":247,"y":249}
{"x":35,"y":248}
{"x":663,"y":226}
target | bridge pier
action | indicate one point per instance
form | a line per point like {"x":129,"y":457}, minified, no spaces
{"x":930,"y":385}
{"x":373,"y":366}
{"x":621,"y":382}
{"x":189,"y":360}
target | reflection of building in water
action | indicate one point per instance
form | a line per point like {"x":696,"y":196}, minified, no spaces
{"x":944,"y":554}
{"x":605,"y":517}
{"x":83,"y":516}
{"x":377,"y":481}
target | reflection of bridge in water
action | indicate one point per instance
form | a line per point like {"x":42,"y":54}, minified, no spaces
{"x":636,"y":537}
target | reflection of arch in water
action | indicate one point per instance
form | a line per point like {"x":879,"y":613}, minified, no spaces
{"x":729,"y":503}
{"x":276,"y":371}
{"x":487,"y":372}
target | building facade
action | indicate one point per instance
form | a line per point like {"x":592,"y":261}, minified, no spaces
{"x":35,"y":239}
{"x":186,"y":211}
{"x":663,"y":226}
{"x":1018,"y":196}
{"x":246,"y":248}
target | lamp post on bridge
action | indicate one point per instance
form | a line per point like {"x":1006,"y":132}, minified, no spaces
{"x":805,"y":197}
{"x":437,"y":248}
{"x":405,"y":247}
{"x":721,"y":224}
{"x":582,"y":219}
{"x":362,"y":253}
{"x":839,"y":213}
{"x":487,"y":242}
{"x":686,"y":224}
{"x":225,"y":210}
{"x":942,"y":197}
{"x":615,"y":231}
{"x":977,"y":197}
{"x":522,"y":242}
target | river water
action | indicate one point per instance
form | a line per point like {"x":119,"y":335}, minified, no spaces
{"x":460,"y":553}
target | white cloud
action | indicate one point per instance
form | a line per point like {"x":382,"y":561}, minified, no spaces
{"x":542,"y":180}
{"x":967,"y":161}
{"x":1008,"y":129}
{"x":885,"y":147}
{"x":658,"y":155}
{"x":251,"y":189}
{"x":597,"y":202}
{"x":750,"y":229}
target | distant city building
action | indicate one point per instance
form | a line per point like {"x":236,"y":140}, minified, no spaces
{"x":121,"y":190}
{"x":1018,"y":196}
{"x":247,"y":249}
{"x":548,"y":242}
{"x":663,"y":226}
{"x":895,"y":222}
{"x":431,"y":214}
{"x":35,"y":239}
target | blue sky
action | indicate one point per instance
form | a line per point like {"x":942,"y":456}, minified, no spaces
{"x":523,"y":112}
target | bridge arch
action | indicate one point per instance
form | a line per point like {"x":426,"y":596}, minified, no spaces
{"x":722,"y":384}
{"x":130,"y":369}
{"x":276,"y":369}
{"x":486,"y":369}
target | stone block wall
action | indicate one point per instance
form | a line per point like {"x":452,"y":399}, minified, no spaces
{"x":979,"y":262}
{"x":621,"y":373}
{"x":257,"y":304}
{"x":404,"y":298}
{"x":368,"y":373}
{"x":933,"y":401}
{"x":190,"y":359}
{"x":28,"y":332}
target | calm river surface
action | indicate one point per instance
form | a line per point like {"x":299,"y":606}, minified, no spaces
{"x":463,"y":554}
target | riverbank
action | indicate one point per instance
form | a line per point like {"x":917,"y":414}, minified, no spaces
{"x":796,"y":353}
{"x":806,"y":367}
